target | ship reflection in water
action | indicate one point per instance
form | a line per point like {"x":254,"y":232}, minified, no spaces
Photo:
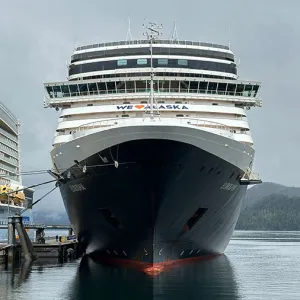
{"x":210,"y":279}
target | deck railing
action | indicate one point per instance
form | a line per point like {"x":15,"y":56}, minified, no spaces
{"x":168,"y":120}
{"x":140,"y":42}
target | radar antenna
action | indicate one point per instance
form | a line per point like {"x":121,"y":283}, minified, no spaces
{"x":129,"y":36}
{"x":152,"y":31}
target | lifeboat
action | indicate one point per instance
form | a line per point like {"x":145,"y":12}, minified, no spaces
{"x":4,"y":189}
{"x":18,"y":197}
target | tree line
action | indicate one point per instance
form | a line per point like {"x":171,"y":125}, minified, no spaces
{"x":274,"y":212}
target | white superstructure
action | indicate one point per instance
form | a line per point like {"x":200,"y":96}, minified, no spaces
{"x":194,"y":84}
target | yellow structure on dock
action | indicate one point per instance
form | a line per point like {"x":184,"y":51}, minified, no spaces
{"x":16,"y":198}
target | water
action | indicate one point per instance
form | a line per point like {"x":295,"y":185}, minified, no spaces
{"x":257,"y":265}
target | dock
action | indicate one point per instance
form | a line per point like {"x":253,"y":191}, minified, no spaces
{"x":51,"y":249}
{"x":44,"y":247}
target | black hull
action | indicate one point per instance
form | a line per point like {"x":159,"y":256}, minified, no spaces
{"x":164,"y":201}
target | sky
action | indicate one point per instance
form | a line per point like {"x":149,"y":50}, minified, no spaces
{"x":37,"y":39}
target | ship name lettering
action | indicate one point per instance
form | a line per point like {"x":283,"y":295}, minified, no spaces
{"x":140,"y":106}
{"x":228,"y":186}
{"x":77,"y":187}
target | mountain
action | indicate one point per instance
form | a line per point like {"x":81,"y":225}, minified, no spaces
{"x":270,"y":206}
{"x":277,"y":212}
{"x":258,"y":192}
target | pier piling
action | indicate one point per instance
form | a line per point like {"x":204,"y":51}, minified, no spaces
{"x":11,"y":240}
{"x":15,"y":223}
{"x":25,"y":242}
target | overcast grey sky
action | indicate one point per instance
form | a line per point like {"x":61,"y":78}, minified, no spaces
{"x":38,"y":37}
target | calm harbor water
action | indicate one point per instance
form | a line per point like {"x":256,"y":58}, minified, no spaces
{"x":257,"y":265}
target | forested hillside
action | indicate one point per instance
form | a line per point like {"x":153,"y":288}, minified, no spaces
{"x":273,"y":212}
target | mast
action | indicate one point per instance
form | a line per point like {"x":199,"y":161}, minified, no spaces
{"x":152,"y":32}
{"x":174,"y":33}
{"x":129,"y":36}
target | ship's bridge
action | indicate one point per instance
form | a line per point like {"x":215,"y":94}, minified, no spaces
{"x":241,"y":93}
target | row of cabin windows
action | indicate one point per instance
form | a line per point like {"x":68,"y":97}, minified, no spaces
{"x":157,"y":62}
{"x":160,"y":61}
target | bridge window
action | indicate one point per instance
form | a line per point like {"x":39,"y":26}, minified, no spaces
{"x":122,"y":62}
{"x":142,"y":61}
{"x":231,"y":89}
{"x":247,"y":90}
{"x":222,"y":88}
{"x":255,"y":90}
{"x":50,"y":91}
{"x":141,"y":86}
{"x":65,"y":90}
{"x":239,"y":89}
{"x":182,"y":62}
{"x":212,"y":87}
{"x":203,"y":86}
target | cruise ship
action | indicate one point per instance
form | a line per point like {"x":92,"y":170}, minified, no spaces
{"x":153,"y":151}
{"x":12,"y":198}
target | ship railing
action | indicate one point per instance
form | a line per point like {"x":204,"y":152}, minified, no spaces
{"x":139,"y":42}
{"x":175,"y":120}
